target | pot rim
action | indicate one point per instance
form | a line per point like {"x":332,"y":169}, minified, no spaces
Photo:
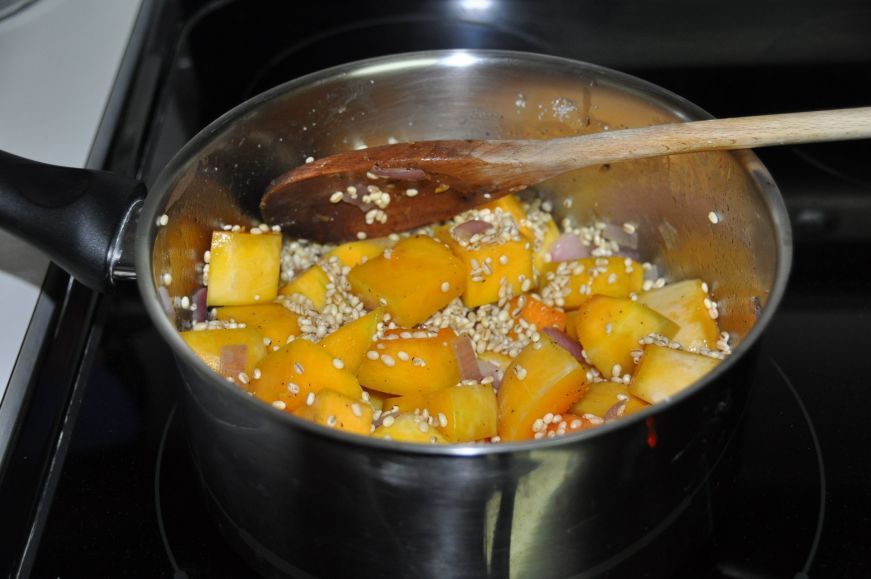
{"x":681,"y":107}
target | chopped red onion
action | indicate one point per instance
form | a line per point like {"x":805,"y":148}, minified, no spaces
{"x":198,"y":299}
{"x":233,"y":359}
{"x":465,"y":231}
{"x":566,"y":342}
{"x":488,"y":370}
{"x":399,"y":173}
{"x":623,"y":238}
{"x":651,"y":274}
{"x":568,"y":247}
{"x":466,"y":359}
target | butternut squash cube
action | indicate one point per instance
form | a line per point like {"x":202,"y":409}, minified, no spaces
{"x":534,"y":311}
{"x":511,"y":260}
{"x":610,"y":328}
{"x":684,"y":303}
{"x":542,"y":237}
{"x":663,"y":372}
{"x":274,"y":321}
{"x":408,"y":427}
{"x":418,"y":277}
{"x":613,"y":276}
{"x":350,"y":342}
{"x":312,"y":283}
{"x":543,"y":378}
{"x":298,"y":369}
{"x":354,"y":253}
{"x":512,"y":205}
{"x":602,"y":396}
{"x":227,"y":352}
{"x":470,"y":412}
{"x":244,"y":268}
{"x":335,"y":410}
{"x":411,"y":365}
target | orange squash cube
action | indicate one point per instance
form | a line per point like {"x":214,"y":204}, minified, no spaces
{"x":244,"y":268}
{"x":350,"y":342}
{"x":511,"y":261}
{"x":301,"y":368}
{"x":418,"y":277}
{"x":534,"y":311}
{"x":408,"y":427}
{"x":543,"y":378}
{"x":610,"y":328}
{"x":663,"y":372}
{"x":512,"y":205}
{"x":465,"y":412}
{"x":684,"y":303}
{"x":411,"y":365}
{"x":335,"y":410}
{"x":227,"y":352}
{"x":274,"y":321}
{"x":613,"y":276}
{"x":354,"y":253}
{"x":312,"y":283}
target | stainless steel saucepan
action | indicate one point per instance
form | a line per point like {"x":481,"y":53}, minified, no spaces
{"x":305,"y":501}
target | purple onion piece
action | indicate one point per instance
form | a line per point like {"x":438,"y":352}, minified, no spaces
{"x":615,"y":411}
{"x":621,"y":236}
{"x":565,"y":342}
{"x":465,"y":231}
{"x":568,"y":247}
{"x":488,"y":370}
{"x":200,"y":313}
{"x":467,"y":361}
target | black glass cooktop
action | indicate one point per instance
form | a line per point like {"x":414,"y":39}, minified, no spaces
{"x":790,"y":496}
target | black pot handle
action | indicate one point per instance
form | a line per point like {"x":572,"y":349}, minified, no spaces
{"x":73,"y":215}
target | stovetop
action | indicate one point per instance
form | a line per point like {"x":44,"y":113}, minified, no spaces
{"x":789,"y":497}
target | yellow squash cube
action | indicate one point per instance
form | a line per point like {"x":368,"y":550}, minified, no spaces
{"x":418,"y":277}
{"x":684,"y":303}
{"x":335,"y":410}
{"x":544,"y":378}
{"x":274,"y":321}
{"x":301,"y":368}
{"x":663,"y":372}
{"x":351,"y":342}
{"x":411,"y":365}
{"x":613,"y":276}
{"x":511,"y":261}
{"x":610,"y":328}
{"x":312,"y":283}
{"x":409,"y":427}
{"x":602,"y":396}
{"x":470,"y":412}
{"x":244,"y":268}
{"x":227,"y":352}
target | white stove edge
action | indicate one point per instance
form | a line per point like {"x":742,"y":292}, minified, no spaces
{"x":61,"y":70}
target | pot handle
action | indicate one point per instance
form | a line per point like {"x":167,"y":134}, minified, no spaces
{"x":73,"y":215}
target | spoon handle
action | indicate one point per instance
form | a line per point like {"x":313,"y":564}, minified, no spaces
{"x":559,"y":155}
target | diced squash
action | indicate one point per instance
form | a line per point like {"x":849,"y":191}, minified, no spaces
{"x":613,"y":276}
{"x":602,"y":396}
{"x":684,"y":303}
{"x":350,"y":342}
{"x":354,"y":253}
{"x":227,"y":352}
{"x":411,"y":365}
{"x":471,"y":411}
{"x":407,"y":427}
{"x":312,"y":283}
{"x":300,"y":368}
{"x":541,"y":379}
{"x":664,"y":372}
{"x":571,"y":322}
{"x":511,"y":260}
{"x":274,"y":321}
{"x":243,"y":268}
{"x":541,"y":237}
{"x":534,"y":311}
{"x":335,"y":410}
{"x":420,"y":277}
{"x":610,"y":328}
{"x":407,"y":403}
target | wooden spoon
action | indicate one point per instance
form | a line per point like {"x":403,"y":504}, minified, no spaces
{"x":376,"y":191}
